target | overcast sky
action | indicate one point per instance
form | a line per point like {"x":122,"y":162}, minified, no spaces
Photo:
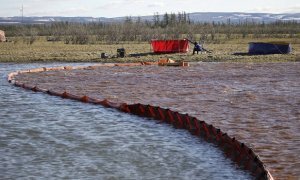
{"x":116,"y":8}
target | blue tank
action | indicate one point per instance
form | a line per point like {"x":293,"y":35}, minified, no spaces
{"x":269,"y":48}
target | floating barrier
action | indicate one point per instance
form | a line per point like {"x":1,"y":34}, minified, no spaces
{"x":170,"y":62}
{"x":235,"y":150}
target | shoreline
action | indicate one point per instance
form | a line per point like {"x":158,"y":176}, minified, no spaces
{"x":235,"y":59}
{"x":41,"y":51}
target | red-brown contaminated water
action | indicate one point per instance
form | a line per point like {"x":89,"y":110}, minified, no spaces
{"x":257,"y":103}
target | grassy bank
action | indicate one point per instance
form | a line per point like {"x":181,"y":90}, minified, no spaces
{"x":44,"y":51}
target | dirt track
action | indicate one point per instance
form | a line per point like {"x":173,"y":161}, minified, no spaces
{"x":257,"y":103}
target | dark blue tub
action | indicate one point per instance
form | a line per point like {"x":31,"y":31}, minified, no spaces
{"x":269,"y":48}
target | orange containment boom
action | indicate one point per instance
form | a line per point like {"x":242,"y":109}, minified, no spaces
{"x":170,"y":62}
{"x":238,"y":152}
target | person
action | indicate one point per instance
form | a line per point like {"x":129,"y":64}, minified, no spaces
{"x":197,"y":47}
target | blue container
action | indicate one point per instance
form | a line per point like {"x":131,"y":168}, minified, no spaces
{"x":269,"y":48}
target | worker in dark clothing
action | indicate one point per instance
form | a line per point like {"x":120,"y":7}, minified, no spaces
{"x":197,"y":48}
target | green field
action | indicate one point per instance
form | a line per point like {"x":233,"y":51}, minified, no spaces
{"x":16,"y":50}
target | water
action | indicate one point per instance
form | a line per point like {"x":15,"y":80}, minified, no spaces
{"x":42,"y":136}
{"x":258,"y":103}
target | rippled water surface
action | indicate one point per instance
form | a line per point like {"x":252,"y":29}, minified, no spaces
{"x":47,"y":137}
{"x":259,"y":104}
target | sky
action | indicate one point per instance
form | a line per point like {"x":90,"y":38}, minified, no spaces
{"x":118,"y":8}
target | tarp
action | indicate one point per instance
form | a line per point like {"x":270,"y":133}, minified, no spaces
{"x":2,"y":36}
{"x":170,"y":46}
{"x":269,"y":48}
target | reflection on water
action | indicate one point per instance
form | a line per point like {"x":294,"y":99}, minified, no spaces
{"x":257,"y":103}
{"x":47,"y":137}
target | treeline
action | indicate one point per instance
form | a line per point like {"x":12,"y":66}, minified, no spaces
{"x":167,"y":26}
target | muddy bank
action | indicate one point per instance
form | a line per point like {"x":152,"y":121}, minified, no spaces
{"x":257,"y":103}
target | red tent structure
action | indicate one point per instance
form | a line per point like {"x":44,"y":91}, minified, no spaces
{"x":170,"y":46}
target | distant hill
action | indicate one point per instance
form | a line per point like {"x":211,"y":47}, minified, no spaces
{"x":234,"y":17}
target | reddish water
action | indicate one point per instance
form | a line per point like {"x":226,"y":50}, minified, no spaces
{"x":258,"y":104}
